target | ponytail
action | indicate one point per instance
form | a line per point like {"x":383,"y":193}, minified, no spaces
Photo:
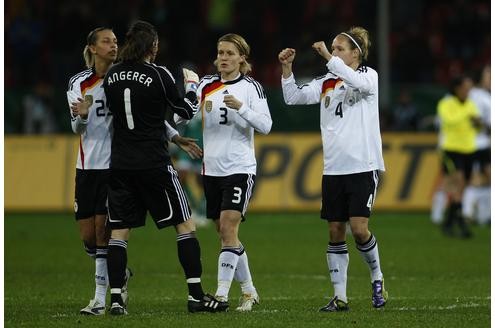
{"x":89,"y":58}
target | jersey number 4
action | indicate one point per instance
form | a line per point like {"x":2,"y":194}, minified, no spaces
{"x":338,"y":110}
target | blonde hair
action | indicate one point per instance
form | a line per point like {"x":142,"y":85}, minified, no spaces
{"x":89,"y":58}
{"x":241,"y":46}
{"x":359,"y":38}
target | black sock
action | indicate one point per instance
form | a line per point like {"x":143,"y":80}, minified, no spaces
{"x":461,"y":221}
{"x":452,"y":213}
{"x":190,"y":258}
{"x":116,"y":263}
{"x":90,"y":250}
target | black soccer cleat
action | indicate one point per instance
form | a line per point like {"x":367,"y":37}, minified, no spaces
{"x":207,"y":304}
{"x":335,"y":305}
{"x":117,"y":309}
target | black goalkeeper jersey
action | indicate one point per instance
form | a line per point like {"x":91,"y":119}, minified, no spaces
{"x":139,"y":96}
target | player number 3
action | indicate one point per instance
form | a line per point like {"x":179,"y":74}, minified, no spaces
{"x":237,"y":195}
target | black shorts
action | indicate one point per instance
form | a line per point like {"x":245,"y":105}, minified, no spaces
{"x":91,"y":193}
{"x":453,"y":161}
{"x":131,"y":193}
{"x":349,"y":195}
{"x":481,"y":158}
{"x":231,"y":192}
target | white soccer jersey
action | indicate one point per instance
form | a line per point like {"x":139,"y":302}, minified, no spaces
{"x":228,"y":134}
{"x":349,"y":122}
{"x":96,"y":131}
{"x":482,"y":99}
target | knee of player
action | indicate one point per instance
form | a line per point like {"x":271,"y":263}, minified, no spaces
{"x":361,"y":234}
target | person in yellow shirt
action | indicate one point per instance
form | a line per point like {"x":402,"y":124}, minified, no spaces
{"x":459,"y":119}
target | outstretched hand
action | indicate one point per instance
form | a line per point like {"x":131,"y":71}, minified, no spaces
{"x":188,"y":145}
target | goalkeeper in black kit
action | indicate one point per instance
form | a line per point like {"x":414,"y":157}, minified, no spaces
{"x":142,"y":179}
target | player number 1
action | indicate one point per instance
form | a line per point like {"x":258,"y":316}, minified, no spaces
{"x":127,"y":106}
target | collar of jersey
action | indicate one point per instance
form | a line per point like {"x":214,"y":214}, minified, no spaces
{"x":241,"y":76}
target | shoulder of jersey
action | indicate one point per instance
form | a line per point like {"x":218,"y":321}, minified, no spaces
{"x":159,"y":68}
{"x":79,"y":77}
{"x":208,"y":79}
{"x":256,"y":85}
{"x":326,"y":76}
{"x":365,"y":69}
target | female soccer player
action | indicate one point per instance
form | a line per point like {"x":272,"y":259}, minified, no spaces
{"x":142,"y":177}
{"x":91,"y":119}
{"x":233,"y":106}
{"x":352,"y":150}
{"x":459,"y":121}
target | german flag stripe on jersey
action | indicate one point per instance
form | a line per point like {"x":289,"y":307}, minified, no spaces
{"x":329,"y":85}
{"x":211,"y":88}
{"x":89,"y":83}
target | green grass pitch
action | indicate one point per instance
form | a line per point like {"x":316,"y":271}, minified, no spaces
{"x":433,"y":281}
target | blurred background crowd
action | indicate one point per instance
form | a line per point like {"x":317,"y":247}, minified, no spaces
{"x":429,"y":42}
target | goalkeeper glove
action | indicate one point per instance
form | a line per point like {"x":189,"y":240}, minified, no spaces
{"x":191,"y":80}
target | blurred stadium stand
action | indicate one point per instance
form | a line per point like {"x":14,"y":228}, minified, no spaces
{"x":429,"y":41}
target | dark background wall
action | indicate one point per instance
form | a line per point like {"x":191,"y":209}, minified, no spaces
{"x":430,"y":41}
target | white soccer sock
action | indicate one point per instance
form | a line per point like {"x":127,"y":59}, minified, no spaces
{"x":243,"y":274}
{"x":227,"y":263}
{"x":101,"y":274}
{"x":439,"y":202}
{"x":338,"y":261}
{"x":469,"y":201}
{"x":369,"y":251}
{"x":484,"y":205}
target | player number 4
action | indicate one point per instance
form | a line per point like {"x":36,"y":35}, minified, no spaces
{"x":370,"y":202}
{"x":338,"y":110}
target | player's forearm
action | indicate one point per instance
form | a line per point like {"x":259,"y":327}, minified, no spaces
{"x":286,"y":70}
{"x":261,"y":122}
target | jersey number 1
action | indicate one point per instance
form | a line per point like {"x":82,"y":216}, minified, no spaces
{"x":127,"y":107}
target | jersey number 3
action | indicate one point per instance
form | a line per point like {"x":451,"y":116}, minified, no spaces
{"x":223,"y":115}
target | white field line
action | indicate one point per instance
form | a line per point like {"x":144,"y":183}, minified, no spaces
{"x":441,"y":308}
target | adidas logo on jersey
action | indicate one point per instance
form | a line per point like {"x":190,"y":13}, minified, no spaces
{"x":225,"y":92}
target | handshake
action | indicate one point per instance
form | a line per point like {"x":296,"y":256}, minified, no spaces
{"x":191,"y":80}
